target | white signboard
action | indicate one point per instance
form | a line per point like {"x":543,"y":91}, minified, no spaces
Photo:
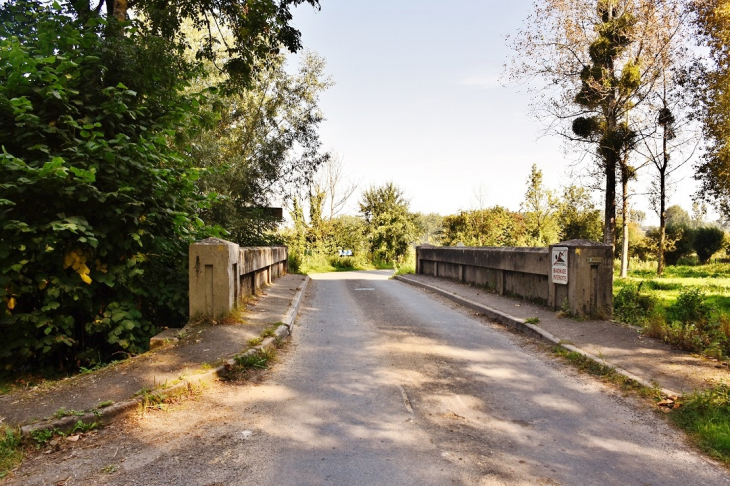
{"x":560,"y":265}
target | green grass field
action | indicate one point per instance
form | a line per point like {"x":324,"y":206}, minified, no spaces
{"x":713,"y":279}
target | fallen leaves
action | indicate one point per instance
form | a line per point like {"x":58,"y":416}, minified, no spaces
{"x":668,"y":404}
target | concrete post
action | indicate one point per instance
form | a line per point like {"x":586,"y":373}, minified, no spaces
{"x":214,"y":277}
{"x":589,"y":291}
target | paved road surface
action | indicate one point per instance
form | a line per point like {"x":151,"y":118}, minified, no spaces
{"x":386,"y":384}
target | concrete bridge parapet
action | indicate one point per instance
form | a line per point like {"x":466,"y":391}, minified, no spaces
{"x":529,"y":272}
{"x":221,"y":273}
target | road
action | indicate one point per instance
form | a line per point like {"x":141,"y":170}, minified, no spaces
{"x":386,"y":384}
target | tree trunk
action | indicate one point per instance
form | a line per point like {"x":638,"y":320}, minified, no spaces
{"x":662,"y":204}
{"x":624,"y":223}
{"x":609,"y":226}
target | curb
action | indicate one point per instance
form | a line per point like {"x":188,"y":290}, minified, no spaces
{"x":109,"y":414}
{"x":530,"y":329}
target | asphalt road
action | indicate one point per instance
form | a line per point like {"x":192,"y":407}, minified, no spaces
{"x":385,"y":384}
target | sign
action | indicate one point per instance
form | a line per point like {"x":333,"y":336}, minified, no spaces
{"x":560,"y":265}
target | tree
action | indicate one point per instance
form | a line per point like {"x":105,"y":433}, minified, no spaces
{"x":578,"y":217}
{"x":258,"y":28}
{"x":598,"y":63}
{"x":390,"y":227}
{"x":539,"y":209}
{"x":338,"y":190}
{"x":496,"y":226}
{"x":708,"y":240}
{"x":710,"y":82}
{"x":97,"y":208}
{"x":431,"y":226}
{"x":265,"y":141}
{"x":676,"y":216}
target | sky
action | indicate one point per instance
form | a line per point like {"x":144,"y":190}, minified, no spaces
{"x":418,"y":102}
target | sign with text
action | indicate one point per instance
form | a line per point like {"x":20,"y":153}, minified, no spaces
{"x":560,"y":265}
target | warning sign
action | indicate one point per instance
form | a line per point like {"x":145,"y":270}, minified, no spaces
{"x":560,"y":265}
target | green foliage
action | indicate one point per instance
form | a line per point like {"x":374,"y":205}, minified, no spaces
{"x":690,"y":307}
{"x":683,"y":237}
{"x":389,"y":227}
{"x":578,"y":218}
{"x":255,"y":360}
{"x":630,"y":306}
{"x":431,"y":227}
{"x":705,"y":415}
{"x":96,"y":207}
{"x":495,"y":226}
{"x":676,"y":216}
{"x":264,"y":142}
{"x":11,"y":452}
{"x":540,"y":208}
{"x":708,"y":240}
{"x":709,"y":83}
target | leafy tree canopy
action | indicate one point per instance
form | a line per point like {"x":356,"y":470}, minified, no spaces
{"x":97,"y":207}
{"x":390,"y":227}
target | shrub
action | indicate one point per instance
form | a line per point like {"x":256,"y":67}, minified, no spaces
{"x":96,"y":208}
{"x":631,"y":306}
{"x":708,"y":240}
{"x":690,"y":307}
{"x":683,"y":236}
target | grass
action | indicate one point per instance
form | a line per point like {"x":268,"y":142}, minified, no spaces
{"x":11,"y":451}
{"x":63,"y":412}
{"x":689,"y":306}
{"x":705,"y":416}
{"x":319,"y":263}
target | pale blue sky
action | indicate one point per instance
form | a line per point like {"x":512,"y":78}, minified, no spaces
{"x":417,"y":101}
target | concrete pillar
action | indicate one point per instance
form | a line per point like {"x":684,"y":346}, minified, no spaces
{"x":214,"y":277}
{"x":589,"y":290}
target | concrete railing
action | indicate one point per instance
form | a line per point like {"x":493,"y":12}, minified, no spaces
{"x":221,"y":273}
{"x":576,"y":273}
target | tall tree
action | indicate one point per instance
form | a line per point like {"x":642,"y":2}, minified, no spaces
{"x":578,"y":217}
{"x":265,"y":141}
{"x":710,"y":79}
{"x":597,"y":62}
{"x":540,"y":208}
{"x":390,"y":227}
{"x":258,"y":27}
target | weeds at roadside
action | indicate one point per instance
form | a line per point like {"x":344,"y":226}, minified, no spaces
{"x":255,"y":341}
{"x":705,"y":416}
{"x":63,"y":412}
{"x":41,"y":437}
{"x":532,"y":320}
{"x":157,"y":401}
{"x":104,"y":404}
{"x":84,"y":427}
{"x":259,"y":360}
{"x":11,"y":451}
{"x":110,"y":469}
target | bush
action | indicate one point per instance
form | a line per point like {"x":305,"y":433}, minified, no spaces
{"x":690,"y":307}
{"x":708,"y":240}
{"x":692,"y":324}
{"x":631,"y":306}
{"x":96,"y":209}
{"x":684,"y":246}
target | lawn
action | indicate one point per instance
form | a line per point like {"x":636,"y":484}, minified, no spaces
{"x":713,"y":279}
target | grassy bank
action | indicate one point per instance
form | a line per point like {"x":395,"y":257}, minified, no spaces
{"x":705,"y":416}
{"x":689,"y":306}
